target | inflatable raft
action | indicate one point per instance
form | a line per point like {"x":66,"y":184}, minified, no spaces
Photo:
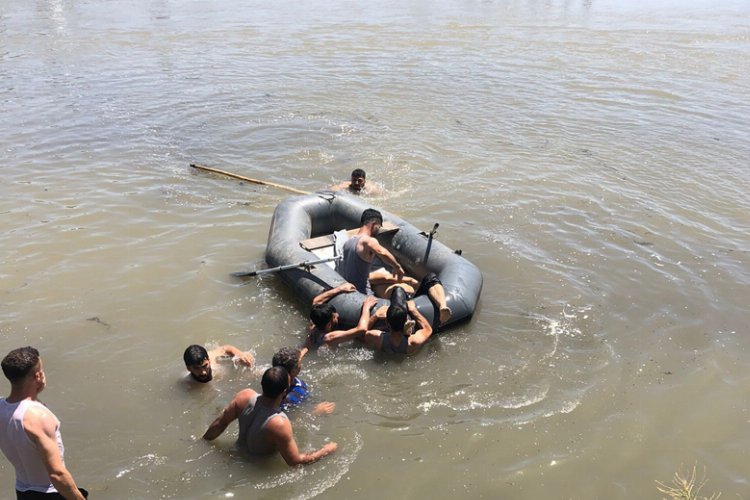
{"x":306,"y":229}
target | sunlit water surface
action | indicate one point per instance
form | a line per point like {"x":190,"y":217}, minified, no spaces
{"x":590,"y":157}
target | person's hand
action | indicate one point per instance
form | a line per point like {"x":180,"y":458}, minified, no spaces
{"x":347,"y":287}
{"x":399,"y":272}
{"x":330,"y":447}
{"x":245,"y":359}
{"x":381,"y":312}
{"x":324,"y":408}
{"x":370,"y":301}
{"x":414,"y":283}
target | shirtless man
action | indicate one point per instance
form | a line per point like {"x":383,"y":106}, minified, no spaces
{"x":357,"y":184}
{"x":360,"y":250}
{"x":30,"y":433}
{"x":201,"y":363}
{"x":264,"y":427}
{"x":324,"y":319}
{"x":395,"y":339}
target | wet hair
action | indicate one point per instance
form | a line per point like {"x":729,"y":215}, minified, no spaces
{"x":275,"y":381}
{"x":322,"y":314}
{"x":195,"y":355}
{"x":396,"y":317}
{"x":371,"y":214}
{"x":287,"y":357}
{"x":18,"y":363}
{"x":358,"y":172}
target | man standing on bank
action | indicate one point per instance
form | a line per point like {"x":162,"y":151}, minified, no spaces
{"x":30,"y":433}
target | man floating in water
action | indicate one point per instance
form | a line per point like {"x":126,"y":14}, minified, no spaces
{"x":201,"y":363}
{"x":358,"y":184}
{"x":396,"y":339}
{"x":324,"y":319}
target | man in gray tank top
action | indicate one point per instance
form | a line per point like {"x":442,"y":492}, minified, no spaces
{"x":264,"y":428}
{"x":359,"y":252}
{"x":362,"y":248}
{"x":395,"y":339}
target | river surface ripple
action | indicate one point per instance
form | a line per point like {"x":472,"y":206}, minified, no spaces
{"x":590,"y":157}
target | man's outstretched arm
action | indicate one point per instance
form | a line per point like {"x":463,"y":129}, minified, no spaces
{"x":324,"y":297}
{"x":374,"y":246}
{"x":229,"y":414}
{"x":280,"y":433}
{"x":338,"y":336}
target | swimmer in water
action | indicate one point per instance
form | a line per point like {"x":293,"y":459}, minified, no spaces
{"x":396,"y":338}
{"x":358,"y":184}
{"x":264,"y":428}
{"x":324,"y":320}
{"x":290,"y":358}
{"x":201,"y":363}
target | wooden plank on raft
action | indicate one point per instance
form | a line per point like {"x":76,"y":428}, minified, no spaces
{"x":327,"y":239}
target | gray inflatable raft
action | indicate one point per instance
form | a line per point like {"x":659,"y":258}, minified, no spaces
{"x":302,"y":230}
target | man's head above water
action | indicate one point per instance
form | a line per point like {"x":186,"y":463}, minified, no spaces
{"x":198,"y":363}
{"x":358,"y":180}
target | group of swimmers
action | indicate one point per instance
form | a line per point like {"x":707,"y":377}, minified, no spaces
{"x":30,"y":433}
{"x":264,"y":427}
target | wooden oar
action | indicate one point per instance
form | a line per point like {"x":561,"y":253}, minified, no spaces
{"x":306,"y":264}
{"x":248,"y":179}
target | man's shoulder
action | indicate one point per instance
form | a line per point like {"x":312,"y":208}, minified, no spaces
{"x":278,"y":424}
{"x":243,"y":398}
{"x":37,"y":407}
{"x":38,"y":416}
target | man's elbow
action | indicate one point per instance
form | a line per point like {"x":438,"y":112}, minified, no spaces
{"x":212,"y":433}
{"x":295,"y":461}
{"x":60,"y":476}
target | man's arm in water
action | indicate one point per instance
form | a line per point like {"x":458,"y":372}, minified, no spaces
{"x":279,"y":431}
{"x":229,"y":414}
{"x":232,"y":352}
{"x":340,"y":186}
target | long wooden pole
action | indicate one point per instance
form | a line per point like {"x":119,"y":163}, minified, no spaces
{"x":248,"y":179}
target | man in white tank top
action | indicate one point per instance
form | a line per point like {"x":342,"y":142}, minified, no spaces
{"x":30,"y":432}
